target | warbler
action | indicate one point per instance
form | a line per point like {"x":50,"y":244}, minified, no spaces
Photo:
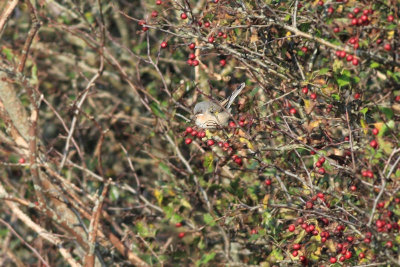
{"x":210,"y":114}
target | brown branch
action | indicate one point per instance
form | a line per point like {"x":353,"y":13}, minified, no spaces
{"x":6,"y":13}
{"x":94,"y":223}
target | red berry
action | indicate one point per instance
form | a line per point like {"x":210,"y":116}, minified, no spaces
{"x":184,"y":16}
{"x":211,"y":39}
{"x":195,"y":62}
{"x":181,"y":235}
{"x":296,"y":246}
{"x":318,"y":164}
{"x":305,"y":90}
{"x":364,"y":18}
{"x":336,"y":29}
{"x":192,"y":56}
{"x":194,"y":133}
{"x":188,"y":141}
{"x":348,"y":255}
{"x":238,"y":161}
{"x":361,"y":255}
{"x":154,"y":14}
{"x":295,"y":253}
{"x":375,"y":131}
{"x":164,"y":44}
{"x":390,"y":18}
{"x":354,"y":62}
{"x":349,"y":58}
{"x":268,"y":182}
{"x":322,"y":160}
{"x":373,"y":144}
{"x":293,"y":111}
{"x":387,"y":47}
{"x":356,"y":46}
{"x":330,"y":10}
{"x":397,"y":98}
{"x":304,"y":49}
{"x":354,"y":22}
{"x":158,"y":2}
{"x":379,"y":41}
{"x":350,"y":15}
{"x":309,"y":205}
{"x":356,"y":10}
{"x":320,"y":3}
{"x":210,"y":142}
{"x":206,"y":24}
{"x":220,"y":34}
{"x":342,"y":54}
{"x":21,"y":161}
{"x":189,"y":129}
{"x":292,"y":228}
{"x":341,"y":258}
{"x":357,"y":95}
{"x":353,"y":188}
{"x":253,"y":231}
{"x":321,"y":171}
{"x":192,"y":46}
{"x":222,"y":62}
{"x":313,"y":96}
{"x":332,"y":260}
{"x":178,"y":224}
{"x":224,"y":36}
{"x":232,"y":124}
{"x":201,"y":134}
{"x":303,"y":259}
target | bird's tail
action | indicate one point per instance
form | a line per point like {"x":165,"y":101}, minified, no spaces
{"x":235,"y":94}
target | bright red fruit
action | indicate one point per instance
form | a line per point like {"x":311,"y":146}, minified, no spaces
{"x":210,"y":142}
{"x":332,"y":260}
{"x":222,"y":62}
{"x":188,"y":141}
{"x":390,"y":18}
{"x":387,"y":47}
{"x":211,"y":39}
{"x":184,"y":16}
{"x":292,"y":228}
{"x":293,"y":111}
{"x":305,"y":90}
{"x":313,"y":96}
{"x":373,"y":144}
{"x":181,"y":235}
{"x":375,"y":131}
{"x":154,"y":14}
{"x":164,"y":44}
{"x":192,"y":46}
{"x":268,"y":182}
{"x":296,"y":246}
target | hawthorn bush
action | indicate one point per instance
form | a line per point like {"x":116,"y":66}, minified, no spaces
{"x":103,"y":163}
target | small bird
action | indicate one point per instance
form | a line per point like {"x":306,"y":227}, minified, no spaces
{"x":210,"y":114}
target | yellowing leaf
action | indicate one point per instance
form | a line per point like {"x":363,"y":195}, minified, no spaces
{"x":265,"y":201}
{"x":247,"y":142}
{"x":158,"y":195}
{"x":390,"y":35}
{"x":186,"y":204}
{"x":364,"y":126}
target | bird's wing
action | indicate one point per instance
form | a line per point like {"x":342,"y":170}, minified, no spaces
{"x":235,"y":94}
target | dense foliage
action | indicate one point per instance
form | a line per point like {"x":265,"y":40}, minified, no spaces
{"x":102,"y":162}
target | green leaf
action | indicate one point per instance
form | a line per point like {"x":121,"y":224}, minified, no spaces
{"x":208,"y":162}
{"x":374,"y":65}
{"x":206,"y":258}
{"x":364,"y":111}
{"x":208,"y":219}
{"x":343,"y":80}
{"x":276,"y":255}
{"x":287,"y":17}
{"x":387,"y":111}
{"x":156,"y":110}
{"x":114,"y":193}
{"x":323,"y":71}
{"x":335,"y":97}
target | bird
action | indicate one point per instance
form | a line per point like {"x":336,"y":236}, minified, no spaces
{"x":210,"y":114}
